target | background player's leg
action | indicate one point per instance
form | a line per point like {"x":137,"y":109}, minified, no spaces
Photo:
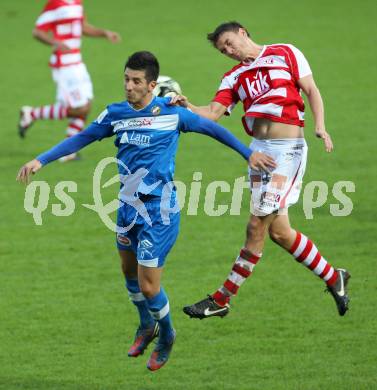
{"x":28,"y":115}
{"x":55,"y":111}
{"x":75,"y":125}
{"x":302,"y":248}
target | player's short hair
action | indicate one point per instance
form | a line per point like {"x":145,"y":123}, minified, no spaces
{"x":234,"y":26}
{"x":144,"y":60}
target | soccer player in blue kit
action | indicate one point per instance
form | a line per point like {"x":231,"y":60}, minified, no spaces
{"x":147,"y":129}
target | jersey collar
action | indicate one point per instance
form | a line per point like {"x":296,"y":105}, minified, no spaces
{"x":256,"y":58}
{"x":143,"y":108}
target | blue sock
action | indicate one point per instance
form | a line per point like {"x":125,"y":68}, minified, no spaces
{"x":159,"y":308}
{"x":138,"y":299}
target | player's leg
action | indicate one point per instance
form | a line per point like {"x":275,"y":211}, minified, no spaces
{"x":55,"y":111}
{"x":76,"y":89}
{"x":76,"y":123}
{"x":249,"y":256}
{"x":148,"y":327}
{"x":73,"y":100}
{"x":306,"y":253}
{"x":127,"y":243}
{"x":154,"y":244}
{"x":158,"y":304}
{"x":217,"y":304}
{"x":29,"y":114}
{"x":52,"y":111}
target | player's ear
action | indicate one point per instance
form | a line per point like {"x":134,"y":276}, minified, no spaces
{"x":242,"y":31}
{"x":152,"y":85}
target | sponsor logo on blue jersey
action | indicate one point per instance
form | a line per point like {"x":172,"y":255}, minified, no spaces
{"x":136,"y":138}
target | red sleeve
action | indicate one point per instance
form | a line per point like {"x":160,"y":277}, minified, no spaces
{"x":224,"y":97}
{"x":42,"y":23}
{"x":227,"y":98}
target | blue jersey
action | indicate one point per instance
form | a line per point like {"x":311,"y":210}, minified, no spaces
{"x":146,"y":139}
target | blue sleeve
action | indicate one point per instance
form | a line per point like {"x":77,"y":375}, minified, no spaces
{"x":191,"y":122}
{"x":94,"y":132}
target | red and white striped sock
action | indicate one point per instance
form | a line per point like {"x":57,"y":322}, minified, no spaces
{"x":75,"y":126}
{"x":52,"y":111}
{"x":307,"y":253}
{"x":242,"y":269}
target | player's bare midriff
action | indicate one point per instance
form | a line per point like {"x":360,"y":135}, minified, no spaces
{"x":266,"y":129}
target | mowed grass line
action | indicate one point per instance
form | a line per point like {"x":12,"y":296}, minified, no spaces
{"x":66,"y":321}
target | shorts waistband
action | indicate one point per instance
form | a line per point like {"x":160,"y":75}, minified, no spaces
{"x":278,"y":143}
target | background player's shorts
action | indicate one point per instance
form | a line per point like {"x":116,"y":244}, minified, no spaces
{"x":150,"y":243}
{"x":74,"y":86}
{"x":281,"y":188}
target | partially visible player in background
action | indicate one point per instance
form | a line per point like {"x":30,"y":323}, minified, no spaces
{"x":268,"y":80}
{"x":61,"y":26}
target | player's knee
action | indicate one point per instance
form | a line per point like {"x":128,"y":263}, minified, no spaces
{"x":148,"y":289}
{"x":81,"y":112}
{"x":280,"y":236}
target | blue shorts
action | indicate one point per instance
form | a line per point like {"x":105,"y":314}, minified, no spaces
{"x":151,"y":242}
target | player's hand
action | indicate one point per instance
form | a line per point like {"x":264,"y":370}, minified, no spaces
{"x":28,"y":169}
{"x":112,"y":36}
{"x":261,"y":162}
{"x":326,"y":139}
{"x":179,"y":100}
{"x":60,"y":46}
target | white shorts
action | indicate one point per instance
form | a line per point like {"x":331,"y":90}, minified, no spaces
{"x":281,"y":188}
{"x":74,"y":86}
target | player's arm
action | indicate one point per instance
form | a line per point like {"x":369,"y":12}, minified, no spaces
{"x":257,"y":160}
{"x":46,"y":38}
{"x":310,"y":89}
{"x":69,"y":145}
{"x":307,"y":84}
{"x":213,"y":111}
{"x":92,"y":31}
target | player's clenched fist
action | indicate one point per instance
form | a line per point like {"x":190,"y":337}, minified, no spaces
{"x":28,"y":169}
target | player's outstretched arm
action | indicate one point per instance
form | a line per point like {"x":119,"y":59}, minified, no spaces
{"x":213,"y":111}
{"x":311,"y":90}
{"x":257,"y":160}
{"x":69,"y":145}
{"x":91,"y":31}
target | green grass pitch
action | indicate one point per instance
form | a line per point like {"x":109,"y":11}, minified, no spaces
{"x":65,"y":319}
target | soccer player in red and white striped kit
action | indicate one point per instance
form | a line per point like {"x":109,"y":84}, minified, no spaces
{"x":268,"y":81}
{"x":61,"y":26}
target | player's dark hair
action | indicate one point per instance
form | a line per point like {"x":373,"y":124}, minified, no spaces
{"x":144,"y":60}
{"x":213,"y":37}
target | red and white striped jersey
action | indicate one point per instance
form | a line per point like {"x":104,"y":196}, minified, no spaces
{"x":65,"y":19}
{"x":267,"y":87}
